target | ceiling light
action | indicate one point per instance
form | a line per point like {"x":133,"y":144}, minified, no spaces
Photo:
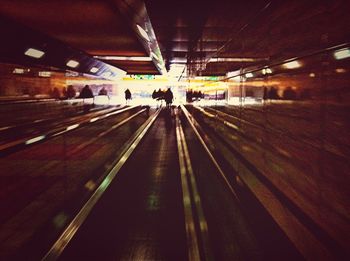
{"x":35,"y":53}
{"x":342,"y":54}
{"x":340,"y":70}
{"x":266,"y":71}
{"x":72,"y":63}
{"x":218,"y":60}
{"x":18,"y":71}
{"x":143,"y":33}
{"x":44,"y":74}
{"x":248,"y":75}
{"x":292,"y":65}
{"x":312,"y":75}
{"x":125,"y":58}
{"x":94,"y":69}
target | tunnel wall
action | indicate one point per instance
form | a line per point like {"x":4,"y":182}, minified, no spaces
{"x":294,"y":129}
{"x":18,"y":81}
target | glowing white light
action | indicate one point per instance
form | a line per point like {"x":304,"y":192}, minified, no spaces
{"x":143,"y":32}
{"x":44,"y":74}
{"x":340,"y":70}
{"x":72,"y":127}
{"x":292,"y":65}
{"x":35,"y":53}
{"x":18,"y":71}
{"x":219,"y":60}
{"x":342,"y":54}
{"x":248,"y":75}
{"x":72,"y":63}
{"x":125,"y":58}
{"x":36,"y":139}
{"x":94,"y":119}
{"x":312,"y":75}
{"x":94,"y":69}
{"x":266,"y":71}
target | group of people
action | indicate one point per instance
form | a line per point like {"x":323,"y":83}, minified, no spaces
{"x":167,"y":96}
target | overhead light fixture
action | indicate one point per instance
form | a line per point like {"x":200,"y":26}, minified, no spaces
{"x":266,"y":71}
{"x":143,"y":33}
{"x":342,"y":54}
{"x":35,"y":53}
{"x":248,"y":75}
{"x":72,"y":63}
{"x":44,"y":74}
{"x":312,"y":75}
{"x":125,"y":58}
{"x":18,"y":71}
{"x":94,"y":69}
{"x":220,"y":60}
{"x":292,"y":65}
{"x":340,"y":70}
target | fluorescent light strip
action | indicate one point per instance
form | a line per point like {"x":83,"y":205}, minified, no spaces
{"x":72,"y":63}
{"x":218,"y":60}
{"x":342,"y":54}
{"x":35,"y":53}
{"x":94,"y":119}
{"x":292,"y":65}
{"x":36,"y":139}
{"x":143,"y":33}
{"x":248,"y":75}
{"x":72,"y":127}
{"x":125,"y":58}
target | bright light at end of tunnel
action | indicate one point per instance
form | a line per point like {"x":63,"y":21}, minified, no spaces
{"x":35,"y":53}
{"x":292,"y":65}
{"x":143,"y":33}
{"x":342,"y":54}
{"x":94,"y":69}
{"x":72,"y":63}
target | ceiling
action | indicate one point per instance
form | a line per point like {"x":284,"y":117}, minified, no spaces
{"x":209,"y":37}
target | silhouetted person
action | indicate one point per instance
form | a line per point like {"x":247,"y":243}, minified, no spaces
{"x":154,"y":94}
{"x":272,"y":94}
{"x":103,"y":91}
{"x":70,"y":92}
{"x":168,"y":97}
{"x":289,"y":94}
{"x":127,"y":95}
{"x":86,"y":93}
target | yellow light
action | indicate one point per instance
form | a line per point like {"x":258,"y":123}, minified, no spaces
{"x":35,"y":53}
{"x":72,"y":63}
